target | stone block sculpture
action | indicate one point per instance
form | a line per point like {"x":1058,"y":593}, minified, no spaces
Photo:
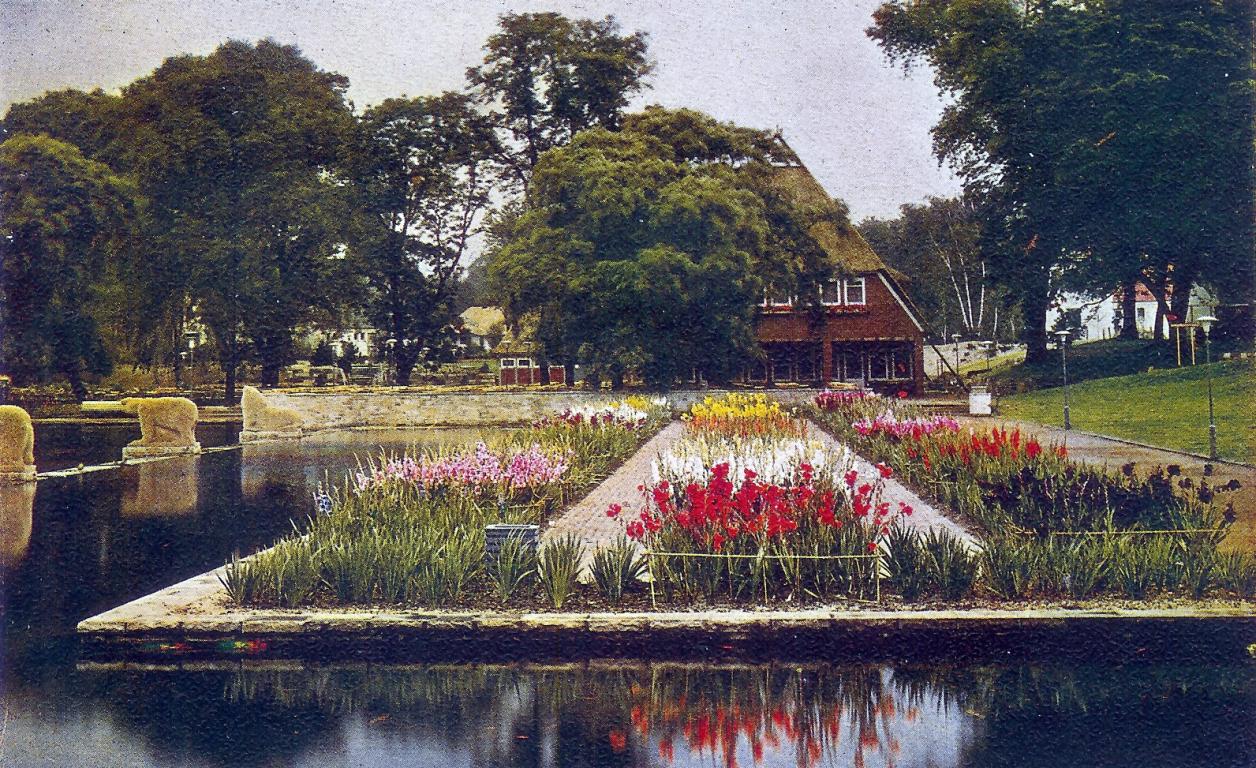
{"x":266,"y":421}
{"x":17,"y":445}
{"x":167,"y":427}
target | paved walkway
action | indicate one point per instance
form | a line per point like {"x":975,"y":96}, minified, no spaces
{"x":1103,"y":451}
{"x":587,"y":517}
{"x":925,"y":517}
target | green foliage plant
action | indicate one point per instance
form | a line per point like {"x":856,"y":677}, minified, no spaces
{"x":559,"y":567}
{"x":1236,"y":572}
{"x":513,"y":567}
{"x":907,"y":562}
{"x":952,"y":567}
{"x":1010,"y":565}
{"x":616,"y":568}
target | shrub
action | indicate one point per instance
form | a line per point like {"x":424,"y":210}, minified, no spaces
{"x":1011,"y":566}
{"x":559,"y":567}
{"x":1236,"y":571}
{"x":907,"y":562}
{"x":1135,"y":562}
{"x":240,"y":578}
{"x":1198,"y":558}
{"x":951,"y":566}
{"x":1078,"y":568}
{"x":514,"y":565}
{"x":291,"y":571}
{"x":347,"y":571}
{"x":616,"y":568}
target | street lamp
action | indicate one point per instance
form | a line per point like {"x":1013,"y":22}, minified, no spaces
{"x":1206,"y":321}
{"x":391,"y":345}
{"x":1063,"y":336}
{"x":955,"y":341}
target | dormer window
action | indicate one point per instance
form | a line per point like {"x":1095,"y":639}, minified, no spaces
{"x":855,"y":291}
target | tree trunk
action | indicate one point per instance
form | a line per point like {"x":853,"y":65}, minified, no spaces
{"x":1180,"y":303}
{"x":1034,"y":334}
{"x":229,"y":367}
{"x":405,"y":367}
{"x":617,"y":378}
{"x":1129,"y":303}
{"x":73,"y":372}
{"x":569,"y":368}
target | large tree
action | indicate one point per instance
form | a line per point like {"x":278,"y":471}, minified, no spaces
{"x":1099,"y":139}
{"x":648,"y":249}
{"x":421,"y":168}
{"x":62,"y":217}
{"x":938,"y":245}
{"x":546,"y":77}
{"x":238,"y":151}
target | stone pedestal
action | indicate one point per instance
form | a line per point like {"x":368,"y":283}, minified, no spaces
{"x":134,"y":451}
{"x":265,"y":436}
{"x":17,"y":515}
{"x":16,"y":476}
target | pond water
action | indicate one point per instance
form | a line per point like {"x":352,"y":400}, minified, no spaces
{"x":77,"y":546}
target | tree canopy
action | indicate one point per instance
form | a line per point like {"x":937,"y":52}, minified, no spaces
{"x":648,"y":248}
{"x":546,"y":77}
{"x":1076,"y":129}
{"x":423,"y":179}
{"x":62,"y":217}
{"x":238,"y":151}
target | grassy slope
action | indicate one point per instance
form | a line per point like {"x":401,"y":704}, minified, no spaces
{"x":1167,"y":408}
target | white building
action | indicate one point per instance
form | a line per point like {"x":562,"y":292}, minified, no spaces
{"x":1097,"y":317}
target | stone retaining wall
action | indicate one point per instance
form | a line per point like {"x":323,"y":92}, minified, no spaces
{"x":336,"y":410}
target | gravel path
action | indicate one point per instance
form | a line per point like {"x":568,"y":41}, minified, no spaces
{"x":924,"y":517}
{"x":587,"y":517}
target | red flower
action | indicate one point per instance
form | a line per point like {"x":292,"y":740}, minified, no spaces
{"x":872,"y":546}
{"x":884,"y":470}
{"x":614,"y":510}
{"x":851,"y":478}
{"x":618,"y":739}
{"x":1032,"y":449}
{"x":905,"y":509}
{"x":635,"y":530}
{"x":717,"y":542}
{"x":902,"y":394}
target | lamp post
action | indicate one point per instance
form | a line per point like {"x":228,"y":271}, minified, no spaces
{"x":1063,"y":335}
{"x":955,"y":341}
{"x":391,"y":345}
{"x":1206,"y":321}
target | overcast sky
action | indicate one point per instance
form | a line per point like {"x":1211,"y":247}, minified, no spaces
{"x":861,"y":125}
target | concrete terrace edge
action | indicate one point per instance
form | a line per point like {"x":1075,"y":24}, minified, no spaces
{"x":193,"y":619}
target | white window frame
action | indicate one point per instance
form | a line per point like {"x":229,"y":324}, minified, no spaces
{"x":524,"y":362}
{"x":863,"y":291}
{"x":836,"y":285}
{"x":508,"y":362}
{"x":769,"y":300}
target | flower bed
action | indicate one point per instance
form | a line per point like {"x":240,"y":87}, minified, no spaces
{"x":744,"y":508}
{"x":1055,"y":528}
{"x":409,"y":529}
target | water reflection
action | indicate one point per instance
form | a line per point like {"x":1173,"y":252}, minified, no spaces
{"x":625,"y":714}
{"x":166,"y":488}
{"x":17,"y":513}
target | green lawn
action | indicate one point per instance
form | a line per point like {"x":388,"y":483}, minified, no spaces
{"x":1167,"y":408}
{"x":1095,"y":360}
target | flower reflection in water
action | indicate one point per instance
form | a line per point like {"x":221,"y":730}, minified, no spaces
{"x":800,"y":717}
{"x":662,"y":714}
